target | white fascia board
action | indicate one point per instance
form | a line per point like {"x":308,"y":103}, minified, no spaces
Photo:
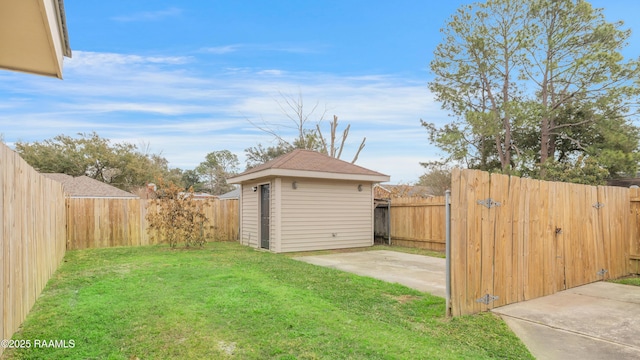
{"x":34,"y":37}
{"x":307,"y":174}
{"x":53,"y":30}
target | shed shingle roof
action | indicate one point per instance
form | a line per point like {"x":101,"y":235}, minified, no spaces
{"x":84,"y":186}
{"x":311,"y":161}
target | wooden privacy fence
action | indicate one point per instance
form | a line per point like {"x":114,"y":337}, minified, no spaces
{"x":418,"y":222}
{"x":634,"y":218}
{"x":96,"y":223}
{"x":32,"y":239}
{"x":104,"y":222}
{"x":516,"y":239}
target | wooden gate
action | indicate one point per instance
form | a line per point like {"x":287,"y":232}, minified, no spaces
{"x":516,"y":239}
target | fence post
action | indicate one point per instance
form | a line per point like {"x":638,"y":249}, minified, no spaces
{"x":389,"y":220}
{"x":447,"y":207}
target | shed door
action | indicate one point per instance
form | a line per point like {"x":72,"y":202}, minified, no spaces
{"x":264,"y":216}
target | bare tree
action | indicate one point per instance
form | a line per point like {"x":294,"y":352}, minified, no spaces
{"x":331,"y":149}
{"x":308,"y":132}
{"x":298,"y":119}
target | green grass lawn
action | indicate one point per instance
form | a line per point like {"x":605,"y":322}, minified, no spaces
{"x":230,"y":301}
{"x":629,"y":280}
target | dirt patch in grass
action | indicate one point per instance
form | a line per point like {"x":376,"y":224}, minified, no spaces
{"x":402,"y":299}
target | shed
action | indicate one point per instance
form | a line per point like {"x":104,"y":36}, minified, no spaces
{"x":305,"y":200}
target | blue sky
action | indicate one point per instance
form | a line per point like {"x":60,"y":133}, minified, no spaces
{"x":184,"y":78}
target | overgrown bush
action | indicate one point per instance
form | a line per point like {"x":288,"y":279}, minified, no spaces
{"x":175,"y":216}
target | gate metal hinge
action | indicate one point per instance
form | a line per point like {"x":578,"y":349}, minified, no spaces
{"x":488,"y":202}
{"x":602,"y":272}
{"x":486,"y":299}
{"x":598,"y":205}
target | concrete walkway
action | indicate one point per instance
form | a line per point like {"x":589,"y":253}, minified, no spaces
{"x":595,"y":321}
{"x":423,"y":273}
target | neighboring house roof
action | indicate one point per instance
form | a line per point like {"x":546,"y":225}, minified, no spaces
{"x":202,"y":196}
{"x":233,"y":194}
{"x":310,"y":164}
{"x":395,"y":191}
{"x":624,"y":182}
{"x":33,"y":36}
{"x":86,"y":187}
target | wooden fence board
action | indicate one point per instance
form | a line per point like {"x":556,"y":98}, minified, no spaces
{"x":477,"y":189}
{"x":574,"y":236}
{"x":502,"y":248}
{"x":32,"y":237}
{"x":607,"y":226}
{"x":487,"y":239}
{"x":547,"y":197}
{"x":615,"y":224}
{"x":520,"y":188}
{"x":594,"y":234}
{"x":562,"y":215}
{"x":634,"y":231}
{"x":534,"y":271}
{"x":418,"y":222}
{"x":543,"y":238}
{"x":105,"y":222}
{"x":458,"y":243}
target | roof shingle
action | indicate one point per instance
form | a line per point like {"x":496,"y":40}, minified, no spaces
{"x":308,"y":160}
{"x":307,"y":163}
{"x":84,"y":186}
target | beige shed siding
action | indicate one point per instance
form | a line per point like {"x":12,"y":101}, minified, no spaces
{"x":275,"y":224}
{"x":249,"y":220}
{"x":318,"y":209}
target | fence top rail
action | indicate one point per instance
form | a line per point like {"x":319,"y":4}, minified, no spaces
{"x":418,"y":200}
{"x":418,"y":204}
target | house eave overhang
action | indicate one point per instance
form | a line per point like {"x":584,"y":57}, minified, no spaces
{"x":33,"y":36}
{"x":307,"y":174}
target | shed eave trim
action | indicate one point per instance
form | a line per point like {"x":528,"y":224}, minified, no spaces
{"x":307,"y":174}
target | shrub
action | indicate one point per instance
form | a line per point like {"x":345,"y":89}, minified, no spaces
{"x":175,"y":216}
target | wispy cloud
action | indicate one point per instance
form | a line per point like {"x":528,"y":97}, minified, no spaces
{"x":152,"y":108}
{"x":168,"y":102}
{"x":88,"y":59}
{"x":220,"y":50}
{"x":271,"y":72}
{"x":149,"y":15}
{"x":251,"y":48}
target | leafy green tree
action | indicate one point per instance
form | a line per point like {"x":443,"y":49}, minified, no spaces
{"x":217,"y":167}
{"x":120,"y":164}
{"x":257,"y":155}
{"x":191,"y":179}
{"x":523,"y":78}
{"x":583,"y":170}
{"x":437,"y":178}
